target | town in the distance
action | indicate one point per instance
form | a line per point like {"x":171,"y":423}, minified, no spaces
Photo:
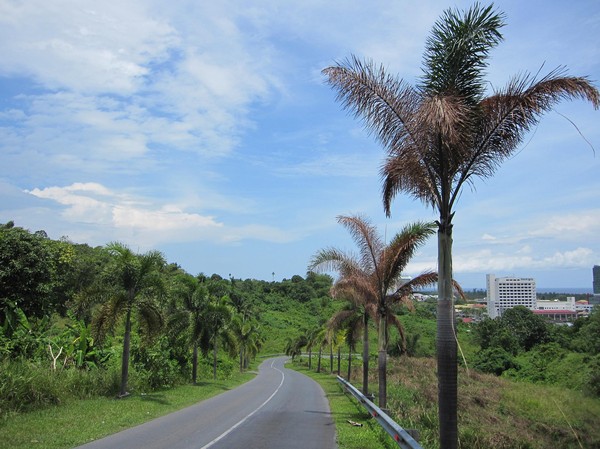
{"x":503,"y":293}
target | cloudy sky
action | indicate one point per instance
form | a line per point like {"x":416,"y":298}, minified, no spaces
{"x":205,"y":130}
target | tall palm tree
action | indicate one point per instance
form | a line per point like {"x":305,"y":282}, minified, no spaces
{"x":446,"y":132}
{"x":376,"y":273}
{"x":133,"y":286}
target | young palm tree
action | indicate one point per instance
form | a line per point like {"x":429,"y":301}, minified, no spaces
{"x":188,"y":318}
{"x":354,"y":318}
{"x":217,"y":318}
{"x":294,"y":345}
{"x":376,"y":273}
{"x":247,"y":334}
{"x":134,"y":284}
{"x":311,"y":339}
{"x":446,"y":132}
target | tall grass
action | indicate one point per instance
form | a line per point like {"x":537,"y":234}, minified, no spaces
{"x":26,"y":385}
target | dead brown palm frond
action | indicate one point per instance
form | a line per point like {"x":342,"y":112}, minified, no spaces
{"x":108,"y":315}
{"x":510,"y":113}
{"x":355,"y":289}
{"x":340,"y":317}
{"x":385,"y":103}
{"x":332,"y":259}
{"x":410,"y":174}
{"x":366,"y":238}
{"x":443,"y":115}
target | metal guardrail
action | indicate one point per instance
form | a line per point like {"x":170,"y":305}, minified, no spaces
{"x":400,"y":435}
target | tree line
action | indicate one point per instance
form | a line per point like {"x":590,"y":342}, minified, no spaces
{"x":106,"y":313}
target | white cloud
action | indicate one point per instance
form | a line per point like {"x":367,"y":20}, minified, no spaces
{"x":132,"y":217}
{"x":524,"y":259}
{"x":82,"y":46}
{"x":572,"y":225}
{"x":94,"y":203}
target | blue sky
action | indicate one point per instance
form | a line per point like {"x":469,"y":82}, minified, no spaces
{"x":205,"y":130}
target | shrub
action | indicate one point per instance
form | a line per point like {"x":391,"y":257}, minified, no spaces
{"x":494,"y":360}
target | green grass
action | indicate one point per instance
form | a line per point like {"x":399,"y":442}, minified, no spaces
{"x":80,"y":421}
{"x":345,"y":408}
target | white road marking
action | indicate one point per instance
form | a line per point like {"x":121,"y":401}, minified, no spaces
{"x":235,"y":426}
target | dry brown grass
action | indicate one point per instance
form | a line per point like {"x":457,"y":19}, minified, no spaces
{"x":494,"y":413}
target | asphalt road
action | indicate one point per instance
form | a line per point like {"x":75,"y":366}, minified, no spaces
{"x":279,"y":408}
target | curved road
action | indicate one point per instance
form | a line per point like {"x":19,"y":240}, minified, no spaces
{"x":279,"y":408}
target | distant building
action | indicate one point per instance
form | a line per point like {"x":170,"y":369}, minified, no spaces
{"x":546,"y":304}
{"x":596,"y":279}
{"x":507,"y":292}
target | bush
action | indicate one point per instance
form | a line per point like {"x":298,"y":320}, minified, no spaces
{"x":494,"y":361}
{"x":592,"y":386}
{"x":154,"y":367}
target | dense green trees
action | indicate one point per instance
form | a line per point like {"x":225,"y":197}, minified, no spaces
{"x":27,"y":268}
{"x":68,"y":308}
{"x":522,"y":345}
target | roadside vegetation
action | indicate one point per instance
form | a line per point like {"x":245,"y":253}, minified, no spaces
{"x":544,"y":401}
{"x":517,"y":371}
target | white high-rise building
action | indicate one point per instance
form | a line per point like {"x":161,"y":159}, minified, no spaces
{"x":507,"y":292}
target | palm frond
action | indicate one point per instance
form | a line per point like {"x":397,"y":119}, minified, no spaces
{"x":403,"y":247}
{"x":332,"y":259}
{"x":150,"y":318}
{"x":457,"y":49}
{"x":385,"y":103}
{"x":366,"y":237}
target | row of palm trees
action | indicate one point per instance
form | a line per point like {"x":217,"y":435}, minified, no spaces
{"x":371,"y":285}
{"x":205,"y":316}
{"x":439,"y":136}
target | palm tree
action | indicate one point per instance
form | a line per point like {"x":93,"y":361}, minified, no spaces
{"x":134,"y":284}
{"x":294,"y":345}
{"x":376,"y":274}
{"x":354,"y":318}
{"x":189,"y":316}
{"x":311,"y":339}
{"x":446,"y":132}
{"x":247,"y":334}
{"x":217,"y":318}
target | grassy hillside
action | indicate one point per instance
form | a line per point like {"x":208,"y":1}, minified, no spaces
{"x":494,"y":413}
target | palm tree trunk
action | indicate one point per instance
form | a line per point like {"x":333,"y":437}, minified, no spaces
{"x":215,"y":361}
{"x":195,"y":364}
{"x":319,"y":362}
{"x":330,"y":358}
{"x":382,"y":360}
{"x":349,"y":362}
{"x":125,"y":358}
{"x":365,"y":388}
{"x":310,"y":357}
{"x":241,"y":359}
{"x":446,"y":341}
